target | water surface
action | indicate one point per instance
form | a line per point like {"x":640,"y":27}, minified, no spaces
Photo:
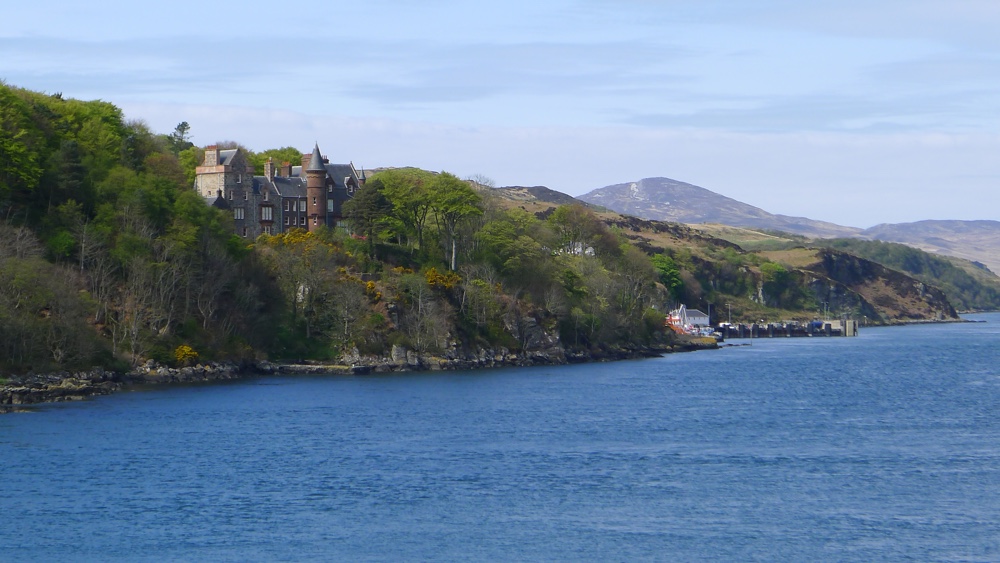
{"x":881,"y":447}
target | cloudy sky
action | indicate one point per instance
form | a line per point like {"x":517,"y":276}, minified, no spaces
{"x":852,"y":112}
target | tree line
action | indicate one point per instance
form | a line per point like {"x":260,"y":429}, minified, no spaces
{"x":108,"y":256}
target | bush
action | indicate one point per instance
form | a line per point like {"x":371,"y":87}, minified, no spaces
{"x":185,"y":355}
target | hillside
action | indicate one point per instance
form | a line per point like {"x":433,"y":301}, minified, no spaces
{"x":787,"y":285}
{"x":978,"y":241}
{"x":664,"y":199}
{"x":109,"y":258}
{"x":968,"y":286}
{"x":670,"y":200}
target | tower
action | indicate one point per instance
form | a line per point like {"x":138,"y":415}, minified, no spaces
{"x":316,"y":190}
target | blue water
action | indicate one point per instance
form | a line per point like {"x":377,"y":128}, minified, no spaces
{"x":881,"y":447}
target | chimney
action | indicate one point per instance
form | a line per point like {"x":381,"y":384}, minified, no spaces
{"x":285,"y":170}
{"x":212,"y":155}
{"x":305,"y":162}
{"x":269,"y":169}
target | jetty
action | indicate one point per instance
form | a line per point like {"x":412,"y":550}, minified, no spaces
{"x":789,"y":329}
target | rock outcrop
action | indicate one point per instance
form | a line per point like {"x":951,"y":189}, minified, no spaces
{"x":847,"y":282}
{"x":545,"y":349}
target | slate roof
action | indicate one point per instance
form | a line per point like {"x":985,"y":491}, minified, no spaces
{"x":220,"y":202}
{"x":285,"y":187}
{"x":316,"y":162}
{"x":338,"y":173}
{"x":226,"y":156}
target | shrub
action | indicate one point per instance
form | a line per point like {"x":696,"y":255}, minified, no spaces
{"x":185,"y":355}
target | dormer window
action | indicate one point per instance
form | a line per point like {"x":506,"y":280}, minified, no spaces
{"x":265,"y":196}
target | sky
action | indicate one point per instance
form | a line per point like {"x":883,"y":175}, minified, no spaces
{"x":854,"y":112}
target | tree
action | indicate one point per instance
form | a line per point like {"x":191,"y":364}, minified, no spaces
{"x":453,"y":200}
{"x":408,"y":191}
{"x":278,"y":156}
{"x":669,"y":274}
{"x":367,"y":211}
{"x":581,"y":231}
{"x":179,"y":139}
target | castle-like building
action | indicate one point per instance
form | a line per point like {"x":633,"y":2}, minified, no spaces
{"x":285,"y":197}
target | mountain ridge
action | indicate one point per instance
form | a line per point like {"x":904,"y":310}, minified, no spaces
{"x":665,"y":199}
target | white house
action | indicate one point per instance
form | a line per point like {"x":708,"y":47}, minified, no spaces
{"x":684,"y":317}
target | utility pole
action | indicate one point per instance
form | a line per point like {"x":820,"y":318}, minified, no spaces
{"x":730,"y":306}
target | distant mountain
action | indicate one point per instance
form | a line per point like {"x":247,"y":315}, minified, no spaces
{"x":978,"y":241}
{"x":670,"y":200}
{"x":664,"y":199}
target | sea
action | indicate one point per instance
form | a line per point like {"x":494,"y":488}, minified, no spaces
{"x":884,"y":447}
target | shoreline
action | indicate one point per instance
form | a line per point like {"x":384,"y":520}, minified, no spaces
{"x":22,"y":392}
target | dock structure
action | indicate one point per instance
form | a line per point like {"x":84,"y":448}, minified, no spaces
{"x":790,"y":329}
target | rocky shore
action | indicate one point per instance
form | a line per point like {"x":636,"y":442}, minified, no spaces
{"x":30,"y":389}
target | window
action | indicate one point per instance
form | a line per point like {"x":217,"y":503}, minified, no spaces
{"x":265,"y":195}
{"x":295,"y":220}
{"x":230,"y":194}
{"x":315,"y":220}
{"x":238,"y":213}
{"x":267,"y":213}
{"x":302,"y":206}
{"x":245,"y":231}
{"x":246,"y":196}
{"x":288,"y":220}
{"x":329,"y":188}
{"x":329,"y":206}
{"x":267,"y":229}
{"x":314,"y":200}
{"x":286,"y":205}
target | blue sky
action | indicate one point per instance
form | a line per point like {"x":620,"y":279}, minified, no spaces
{"x":852,"y":112}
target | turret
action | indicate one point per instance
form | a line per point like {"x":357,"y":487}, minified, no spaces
{"x":315,"y":173}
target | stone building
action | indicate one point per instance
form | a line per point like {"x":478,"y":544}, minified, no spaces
{"x":306,"y":196}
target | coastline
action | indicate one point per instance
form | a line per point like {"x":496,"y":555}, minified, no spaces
{"x":20,"y":392}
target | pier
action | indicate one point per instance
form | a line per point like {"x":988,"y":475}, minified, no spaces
{"x":789,"y":329}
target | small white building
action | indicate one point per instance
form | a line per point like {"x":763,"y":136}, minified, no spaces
{"x":697,"y":318}
{"x":688,"y":318}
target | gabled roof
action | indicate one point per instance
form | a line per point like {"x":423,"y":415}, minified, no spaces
{"x":338,"y":172}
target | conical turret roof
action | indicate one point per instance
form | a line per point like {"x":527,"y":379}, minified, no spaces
{"x":316,"y":162}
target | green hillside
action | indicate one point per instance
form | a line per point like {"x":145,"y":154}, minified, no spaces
{"x":108,"y":257}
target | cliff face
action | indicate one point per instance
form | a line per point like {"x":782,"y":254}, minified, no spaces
{"x":847,"y":282}
{"x":833,"y":280}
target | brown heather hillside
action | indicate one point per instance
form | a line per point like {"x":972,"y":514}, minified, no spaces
{"x":719,"y":271}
